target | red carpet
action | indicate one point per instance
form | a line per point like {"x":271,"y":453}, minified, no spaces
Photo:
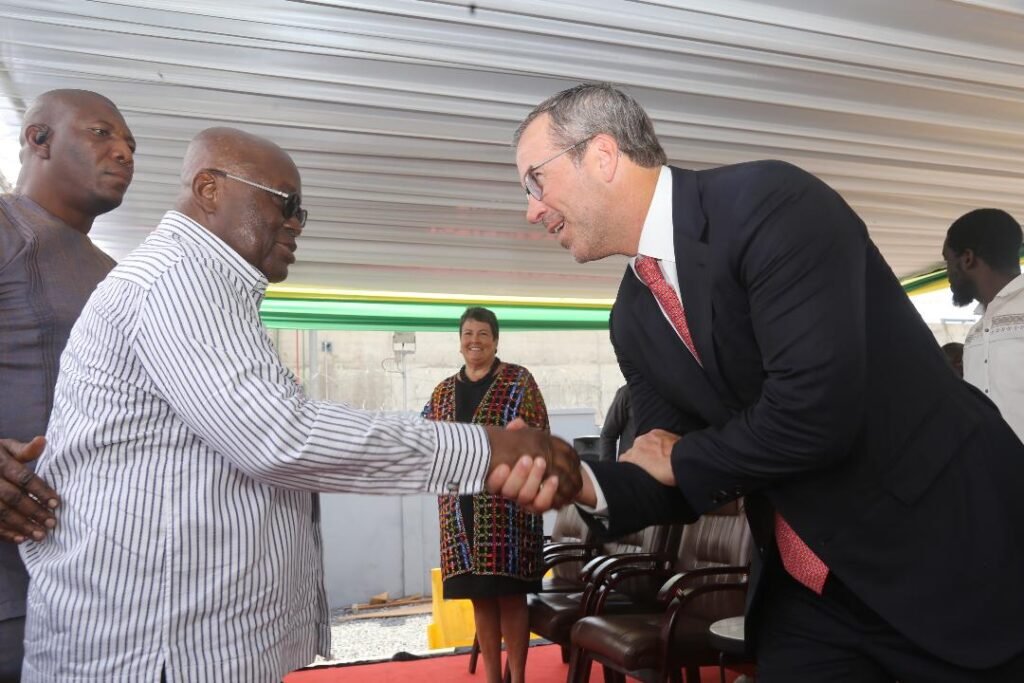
{"x":544,"y":666}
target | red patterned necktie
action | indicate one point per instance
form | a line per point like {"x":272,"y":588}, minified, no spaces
{"x":650,"y":274}
{"x":798,"y":559}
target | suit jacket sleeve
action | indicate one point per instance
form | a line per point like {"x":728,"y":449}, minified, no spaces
{"x":635,"y":501}
{"x":802,"y":264}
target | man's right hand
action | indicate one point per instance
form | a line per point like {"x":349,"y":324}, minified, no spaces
{"x":520,"y":460}
{"x":26,"y":502}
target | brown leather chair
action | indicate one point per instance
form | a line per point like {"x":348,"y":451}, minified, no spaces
{"x":553,"y":614}
{"x":709,"y":583}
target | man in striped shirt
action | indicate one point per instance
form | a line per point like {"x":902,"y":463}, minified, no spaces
{"x":185,"y":452}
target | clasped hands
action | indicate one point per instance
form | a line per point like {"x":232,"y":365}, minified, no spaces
{"x":541,"y":472}
{"x":533,"y":468}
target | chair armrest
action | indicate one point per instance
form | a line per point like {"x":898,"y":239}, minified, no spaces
{"x":591,"y":566}
{"x":593,"y":573}
{"x":561,"y":558}
{"x":616,"y":562}
{"x":675,"y":586}
{"x":594,"y":602}
{"x":678,"y":604}
{"x":566,"y":546}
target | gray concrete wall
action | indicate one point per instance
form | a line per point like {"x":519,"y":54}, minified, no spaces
{"x":374,"y":544}
{"x":573,"y":369}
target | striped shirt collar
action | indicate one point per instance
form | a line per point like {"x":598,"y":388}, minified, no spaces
{"x":179,"y":224}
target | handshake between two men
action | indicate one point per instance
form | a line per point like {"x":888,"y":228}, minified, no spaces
{"x":530,"y":466}
{"x":527,"y":465}
{"x":534,"y":468}
{"x":541,"y":472}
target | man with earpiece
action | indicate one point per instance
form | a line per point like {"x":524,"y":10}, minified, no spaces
{"x":77,"y":160}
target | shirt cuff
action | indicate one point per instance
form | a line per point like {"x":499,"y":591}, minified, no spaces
{"x":600,"y":505}
{"x":461,"y":460}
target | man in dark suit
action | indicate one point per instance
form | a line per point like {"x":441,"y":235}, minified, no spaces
{"x":771,"y":353}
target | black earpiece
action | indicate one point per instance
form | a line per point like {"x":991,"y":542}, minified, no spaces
{"x":41,"y":135}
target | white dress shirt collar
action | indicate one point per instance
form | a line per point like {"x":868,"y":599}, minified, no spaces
{"x":656,"y":238}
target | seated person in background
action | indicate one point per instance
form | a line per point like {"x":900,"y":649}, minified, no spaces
{"x":187,"y":546}
{"x":955,"y":355}
{"x":490,"y":547}
{"x":619,"y":428}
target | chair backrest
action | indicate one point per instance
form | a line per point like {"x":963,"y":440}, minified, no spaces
{"x":588,"y":447}
{"x":663,"y":538}
{"x":569,"y":528}
{"x":718,"y":539}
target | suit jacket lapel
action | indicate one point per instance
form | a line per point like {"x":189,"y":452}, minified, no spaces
{"x":692,"y":268}
{"x":660,"y":341}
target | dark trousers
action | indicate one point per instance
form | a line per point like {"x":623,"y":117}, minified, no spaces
{"x":806,"y":638}
{"x":12,"y":649}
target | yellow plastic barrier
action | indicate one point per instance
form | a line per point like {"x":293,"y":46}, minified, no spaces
{"x":452,"y":622}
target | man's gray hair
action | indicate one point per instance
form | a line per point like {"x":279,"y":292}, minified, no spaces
{"x":583,"y":111}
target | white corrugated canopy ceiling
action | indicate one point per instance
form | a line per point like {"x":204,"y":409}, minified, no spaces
{"x":399,"y":113}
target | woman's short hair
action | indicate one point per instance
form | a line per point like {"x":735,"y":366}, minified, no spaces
{"x":481,"y":315}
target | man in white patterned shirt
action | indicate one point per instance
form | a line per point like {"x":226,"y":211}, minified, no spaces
{"x":186,"y":546}
{"x":982,"y":254}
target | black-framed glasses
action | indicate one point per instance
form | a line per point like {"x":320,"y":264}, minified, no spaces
{"x":292,"y":200}
{"x":530,"y":182}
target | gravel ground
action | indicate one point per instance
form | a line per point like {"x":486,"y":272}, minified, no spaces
{"x":378,"y":637}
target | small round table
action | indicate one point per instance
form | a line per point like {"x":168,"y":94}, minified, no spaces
{"x":726,"y":636}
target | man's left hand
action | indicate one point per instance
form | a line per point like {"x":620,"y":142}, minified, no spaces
{"x":653,"y":452}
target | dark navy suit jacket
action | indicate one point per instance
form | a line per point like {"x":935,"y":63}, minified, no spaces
{"x":824,"y":396}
